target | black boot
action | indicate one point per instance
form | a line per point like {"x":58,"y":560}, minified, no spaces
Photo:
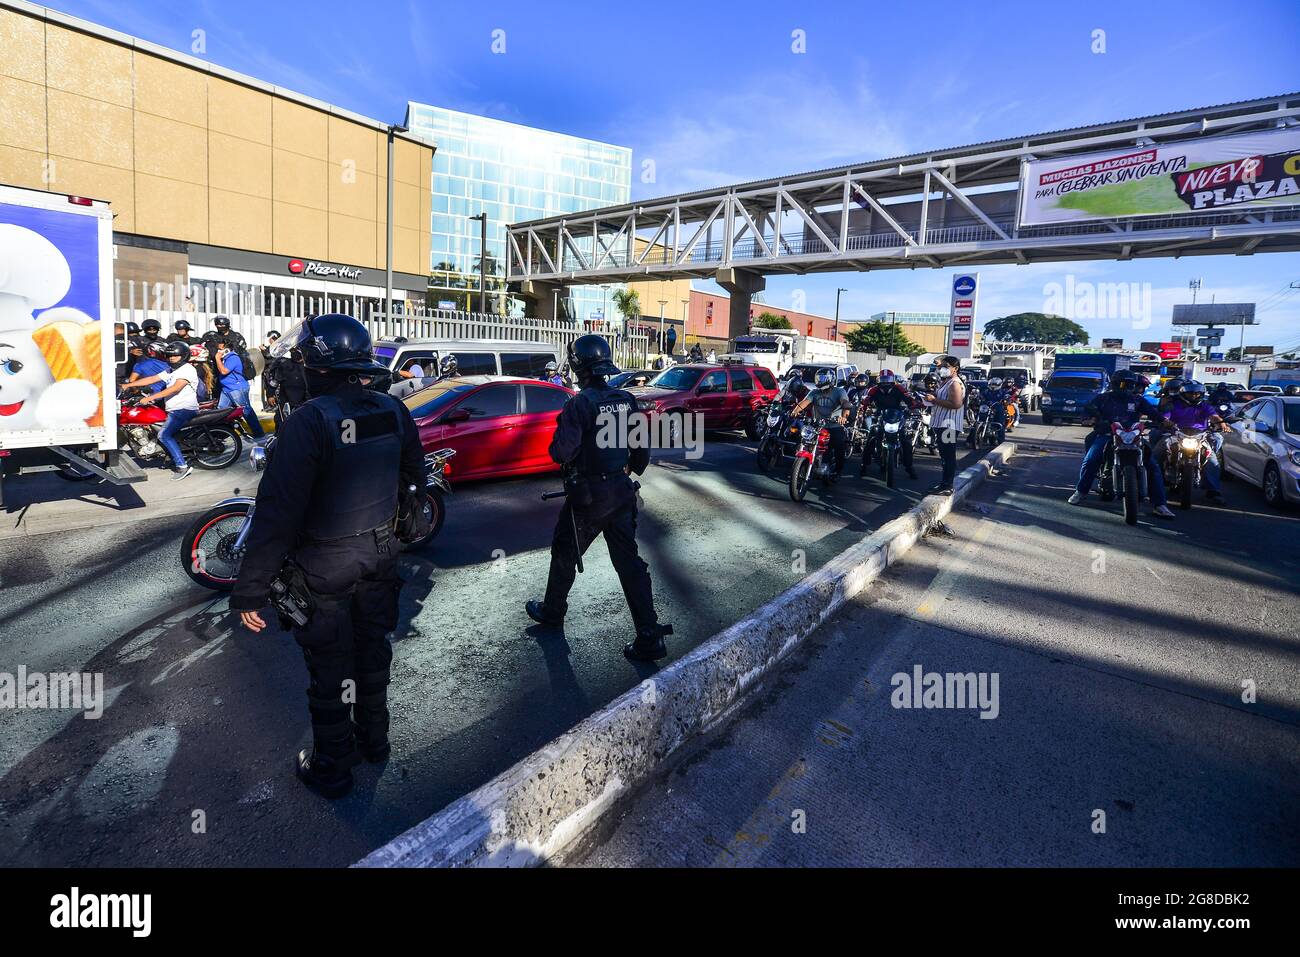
{"x":327,"y":767}
{"x":649,"y":645}
{"x":539,"y":613}
{"x":370,"y":716}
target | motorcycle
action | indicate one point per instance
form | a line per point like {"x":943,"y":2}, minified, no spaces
{"x":984,"y":431}
{"x":210,"y":440}
{"x":212,"y":549}
{"x":922,"y":431}
{"x":1123,"y":470}
{"x":779,"y":437}
{"x":810,"y":458}
{"x":1185,"y":466}
{"x":892,"y":433}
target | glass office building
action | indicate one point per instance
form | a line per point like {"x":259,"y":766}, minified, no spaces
{"x":513,"y":173}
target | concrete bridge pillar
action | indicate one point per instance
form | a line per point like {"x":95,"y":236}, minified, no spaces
{"x":540,"y":298}
{"x":741,"y":284}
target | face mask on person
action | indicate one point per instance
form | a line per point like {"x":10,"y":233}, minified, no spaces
{"x":945,"y":373}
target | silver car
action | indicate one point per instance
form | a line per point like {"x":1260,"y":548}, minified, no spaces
{"x":1263,"y":447}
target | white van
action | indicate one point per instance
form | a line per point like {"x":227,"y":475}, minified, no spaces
{"x":523,"y":358}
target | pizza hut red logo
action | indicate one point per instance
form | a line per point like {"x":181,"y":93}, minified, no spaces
{"x":296,"y":266}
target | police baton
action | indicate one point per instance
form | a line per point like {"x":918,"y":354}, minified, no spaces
{"x":577,"y":545}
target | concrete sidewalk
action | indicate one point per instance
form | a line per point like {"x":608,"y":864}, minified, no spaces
{"x":1120,"y":655}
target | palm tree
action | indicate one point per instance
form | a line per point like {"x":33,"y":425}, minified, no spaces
{"x":628,"y":304}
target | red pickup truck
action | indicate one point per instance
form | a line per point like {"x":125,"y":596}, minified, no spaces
{"x":726,"y":394}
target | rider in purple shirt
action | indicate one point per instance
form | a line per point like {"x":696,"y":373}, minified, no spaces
{"x":1192,"y":413}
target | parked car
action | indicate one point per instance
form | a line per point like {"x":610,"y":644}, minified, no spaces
{"x":1262,"y":446}
{"x":726,"y":394}
{"x":498,"y":425}
{"x":628,"y":380}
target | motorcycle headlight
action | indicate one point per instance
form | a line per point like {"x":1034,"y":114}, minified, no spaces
{"x":809,"y":433}
{"x":1189,"y":444}
{"x":891,"y":426}
{"x":774,"y":418}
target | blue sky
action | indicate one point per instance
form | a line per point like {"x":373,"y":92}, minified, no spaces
{"x":714,"y":93}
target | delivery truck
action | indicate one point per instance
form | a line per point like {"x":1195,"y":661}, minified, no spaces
{"x":1236,"y":374}
{"x":58,"y":402}
{"x":779,"y":349}
{"x":1024,"y":367}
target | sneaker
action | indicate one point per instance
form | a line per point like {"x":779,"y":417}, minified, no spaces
{"x":1076,"y":498}
{"x":1162,"y":511}
{"x":178,"y":474}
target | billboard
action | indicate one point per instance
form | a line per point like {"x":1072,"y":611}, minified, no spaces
{"x":1112,"y":343}
{"x":1243,"y":171}
{"x":1215,"y":314}
{"x":961,"y":314}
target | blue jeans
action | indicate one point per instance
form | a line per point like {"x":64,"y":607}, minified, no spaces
{"x":1092,"y":459}
{"x":233,"y":397}
{"x":175,"y":422}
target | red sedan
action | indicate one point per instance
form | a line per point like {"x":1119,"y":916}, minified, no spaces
{"x":726,"y":395}
{"x":498,"y":425}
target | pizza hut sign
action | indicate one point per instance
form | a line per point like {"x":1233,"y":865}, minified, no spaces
{"x":311,"y":267}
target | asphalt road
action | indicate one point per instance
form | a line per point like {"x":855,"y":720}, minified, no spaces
{"x":1121,"y":655}
{"x":191,"y":762}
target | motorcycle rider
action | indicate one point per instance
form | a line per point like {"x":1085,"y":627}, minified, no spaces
{"x":890,"y":394}
{"x":448,"y":368}
{"x":598,"y":460}
{"x":553,"y":374}
{"x":1192,"y":413}
{"x":1222,"y":395}
{"x":328,"y":500}
{"x":1125,"y":405}
{"x":832,"y":405}
{"x":1291,"y":390}
{"x":151,"y":364}
{"x":180,"y":398}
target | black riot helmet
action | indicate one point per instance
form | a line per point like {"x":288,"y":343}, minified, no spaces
{"x":331,"y":343}
{"x":590,"y":356}
{"x":1124,"y":381}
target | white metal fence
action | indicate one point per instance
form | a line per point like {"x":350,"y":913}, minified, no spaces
{"x":254,"y":316}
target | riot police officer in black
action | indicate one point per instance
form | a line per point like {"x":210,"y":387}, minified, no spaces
{"x":595,"y":442}
{"x":327,"y":502}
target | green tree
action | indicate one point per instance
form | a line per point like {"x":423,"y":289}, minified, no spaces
{"x":628,"y":304}
{"x":770,"y":320}
{"x":1036,"y":327}
{"x":877,"y":335}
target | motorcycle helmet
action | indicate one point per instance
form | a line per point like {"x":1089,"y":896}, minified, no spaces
{"x":590,"y":355}
{"x":931,"y":381}
{"x":151,"y":325}
{"x":132,"y":329}
{"x":1192,"y":392}
{"x":1124,"y":381}
{"x":176,"y":350}
{"x":448,"y":366}
{"x":1291,"y":390}
{"x":156,"y":348}
{"x":198,"y":353}
{"x":136,"y":342}
{"x":552,"y":367}
{"x":222,"y":324}
{"x":824,"y":379}
{"x":1174,"y":386}
{"x":331,"y":342}
{"x":860,"y":380}
{"x":995,"y":383}
{"x":886,"y":376}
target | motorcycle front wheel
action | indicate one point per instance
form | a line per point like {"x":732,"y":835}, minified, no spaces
{"x":207,"y":548}
{"x":435,"y":513}
{"x":1130,"y":494}
{"x":1185,"y":487}
{"x":799,"y":476}
{"x":217,"y":448}
{"x":891,"y":468}
{"x":769,"y":455}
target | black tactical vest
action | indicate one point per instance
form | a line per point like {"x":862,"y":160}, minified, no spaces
{"x":604,"y":436}
{"x":356,"y":488}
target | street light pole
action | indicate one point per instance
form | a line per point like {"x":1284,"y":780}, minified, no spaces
{"x":482,"y":262}
{"x":837,"y":313}
{"x":388,"y":244}
{"x":662,"y":303}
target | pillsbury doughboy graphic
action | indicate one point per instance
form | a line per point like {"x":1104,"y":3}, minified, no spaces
{"x":34,"y":275}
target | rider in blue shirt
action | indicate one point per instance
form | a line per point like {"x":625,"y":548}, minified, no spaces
{"x":1125,"y":404}
{"x":151,"y":365}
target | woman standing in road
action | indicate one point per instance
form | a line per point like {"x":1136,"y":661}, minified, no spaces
{"x":947,"y":421}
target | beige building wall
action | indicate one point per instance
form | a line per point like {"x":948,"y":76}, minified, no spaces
{"x":186,"y":153}
{"x":676,"y":291}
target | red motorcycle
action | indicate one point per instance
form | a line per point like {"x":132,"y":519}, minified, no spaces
{"x":210,"y":440}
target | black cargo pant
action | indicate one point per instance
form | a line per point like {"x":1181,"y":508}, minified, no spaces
{"x":355,"y":588}
{"x":612,"y":512}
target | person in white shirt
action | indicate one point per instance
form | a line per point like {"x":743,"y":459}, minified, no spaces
{"x":179,"y":397}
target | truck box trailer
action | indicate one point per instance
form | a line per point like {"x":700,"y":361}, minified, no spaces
{"x":1236,"y":374}
{"x":58,"y":402}
{"x":779,"y":349}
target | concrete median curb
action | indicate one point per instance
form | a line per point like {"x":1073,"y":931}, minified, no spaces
{"x":533,"y":811}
